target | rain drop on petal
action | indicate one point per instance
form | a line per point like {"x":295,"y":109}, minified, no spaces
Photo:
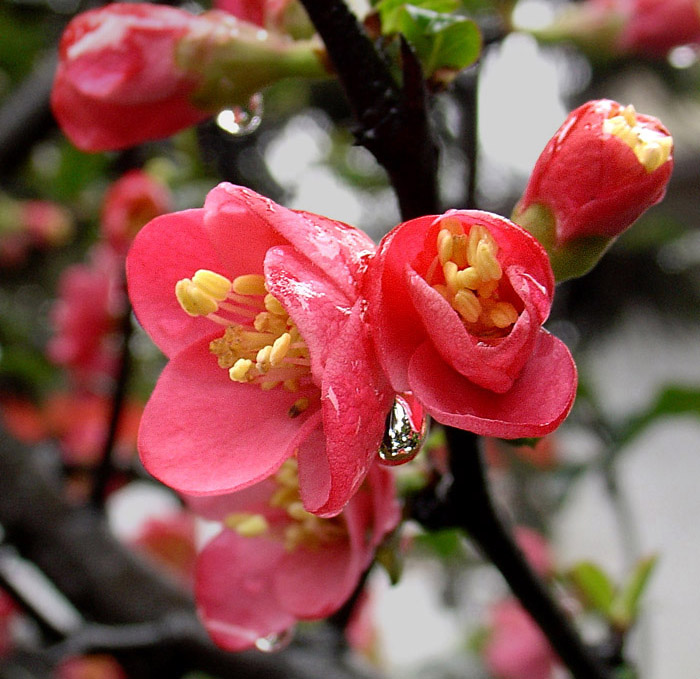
{"x":241,"y":120}
{"x":405,"y":431}
{"x":275,"y":642}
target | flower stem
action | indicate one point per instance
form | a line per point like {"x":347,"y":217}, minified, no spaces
{"x":471,"y":507}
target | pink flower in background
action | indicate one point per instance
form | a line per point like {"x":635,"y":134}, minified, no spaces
{"x":515,"y":647}
{"x":96,"y":666}
{"x":89,"y":306}
{"x":457,"y":304}
{"x":118,"y":81}
{"x":258,"y":309}
{"x":48,"y":223}
{"x":8,"y":611}
{"x":274,"y":563}
{"x":132,"y":201}
{"x":536,"y":550}
{"x":603,"y":168}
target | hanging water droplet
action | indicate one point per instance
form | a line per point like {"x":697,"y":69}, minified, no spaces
{"x":241,"y":120}
{"x":405,"y":431}
{"x":275,"y":642}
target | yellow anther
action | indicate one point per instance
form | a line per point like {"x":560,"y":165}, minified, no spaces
{"x":213,"y":284}
{"x":268,"y":322}
{"x":468,"y":305}
{"x":246,"y":524}
{"x":469,"y":278}
{"x":452,"y":224}
{"x":287,"y":474}
{"x":652,"y":147}
{"x":487,"y":289}
{"x":273,"y":306}
{"x":503,"y":314}
{"x":450,"y":270}
{"x":291,"y":385}
{"x":283,"y":496}
{"x":262,"y":360}
{"x":193,"y":301}
{"x":297,"y":512}
{"x":298,"y":407}
{"x":239,"y":371}
{"x":459,"y":250}
{"x":476,"y":234}
{"x":279,"y":348}
{"x":486,"y":263}
{"x":250,"y":284}
{"x":444,"y":246}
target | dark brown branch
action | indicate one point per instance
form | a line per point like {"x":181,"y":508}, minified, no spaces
{"x":393,"y":121}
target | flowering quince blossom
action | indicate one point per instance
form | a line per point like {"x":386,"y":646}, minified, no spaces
{"x":275,"y":563}
{"x":456,"y":304}
{"x":515,"y":647}
{"x":284,"y":16}
{"x":129,"y":72}
{"x":130,"y":203}
{"x":258,"y":309}
{"x":602,"y":169}
{"x":85,"y":316}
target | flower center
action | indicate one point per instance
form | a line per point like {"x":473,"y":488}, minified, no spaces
{"x":651,"y":147}
{"x":472,"y":275}
{"x":297,"y":528}
{"x":261,"y":343}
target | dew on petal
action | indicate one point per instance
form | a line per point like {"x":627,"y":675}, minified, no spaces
{"x":273,"y":643}
{"x":405,"y":431}
{"x":241,"y":120}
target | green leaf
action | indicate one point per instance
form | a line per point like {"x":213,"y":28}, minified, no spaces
{"x":670,"y":401}
{"x":625,"y":607}
{"x":446,"y":544}
{"x":440,"y":40}
{"x":389,"y":11}
{"x":596,"y":588}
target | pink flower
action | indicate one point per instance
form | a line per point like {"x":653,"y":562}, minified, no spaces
{"x":283,"y":16}
{"x":258,"y":309}
{"x":652,"y":28}
{"x":48,"y":223}
{"x":516,"y":648}
{"x":130,"y":72}
{"x":85,"y":317}
{"x":274,"y":563}
{"x":457,"y":304}
{"x":96,"y":666}
{"x":118,"y":81}
{"x":8,"y":611}
{"x":132,"y":201}
{"x":536,"y":550}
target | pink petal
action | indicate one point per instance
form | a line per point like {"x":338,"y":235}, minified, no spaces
{"x":313,"y":583}
{"x":536,"y":404}
{"x":203,"y":434}
{"x":254,"y":499}
{"x":234,"y":590}
{"x":355,"y":401}
{"x":314,"y":472}
{"x":236,"y":214}
{"x":318,"y":308}
{"x":166,"y":250}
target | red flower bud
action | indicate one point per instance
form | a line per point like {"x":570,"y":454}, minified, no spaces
{"x":603,"y":168}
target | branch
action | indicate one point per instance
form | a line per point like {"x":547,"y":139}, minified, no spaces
{"x":469,"y":506}
{"x":393,"y":121}
{"x":112,"y":587}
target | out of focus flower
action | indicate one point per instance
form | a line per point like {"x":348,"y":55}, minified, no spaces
{"x":515,"y":647}
{"x":130,"y":72}
{"x":86,"y":315}
{"x":604,"y":167}
{"x":90,"y":667}
{"x":170,"y":542}
{"x":456,"y":304}
{"x":258,"y":309}
{"x":536,"y":550}
{"x":541,"y":453}
{"x":283,"y":16}
{"x":8,"y":611}
{"x":274,"y":563}
{"x":642,"y":28}
{"x":131,"y":202}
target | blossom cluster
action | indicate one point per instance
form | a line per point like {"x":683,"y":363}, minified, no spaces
{"x":300,"y":354}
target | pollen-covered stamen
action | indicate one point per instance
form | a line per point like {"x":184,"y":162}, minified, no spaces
{"x":261,"y":343}
{"x":247,"y":524}
{"x":303,"y":529}
{"x":472,"y":277}
{"x":652,"y":147}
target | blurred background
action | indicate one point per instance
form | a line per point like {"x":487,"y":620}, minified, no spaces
{"x":618,"y":481}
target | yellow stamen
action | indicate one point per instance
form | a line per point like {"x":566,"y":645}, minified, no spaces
{"x":486,"y":263}
{"x":213,"y":284}
{"x":503,"y":314}
{"x":280,"y":348}
{"x":444,"y":246}
{"x":468,"y":306}
{"x":273,"y":306}
{"x":298,"y":407}
{"x":240,"y":369}
{"x":652,"y":147}
{"x":246,"y":524}
{"x":250,"y":284}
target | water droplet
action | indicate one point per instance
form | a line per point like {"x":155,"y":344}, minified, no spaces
{"x":406,"y":427}
{"x":275,"y":642}
{"x":242,"y":120}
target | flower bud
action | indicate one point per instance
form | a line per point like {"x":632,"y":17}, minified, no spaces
{"x":282,"y":16}
{"x":129,"y":72}
{"x":612,"y":28}
{"x":602,"y":169}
